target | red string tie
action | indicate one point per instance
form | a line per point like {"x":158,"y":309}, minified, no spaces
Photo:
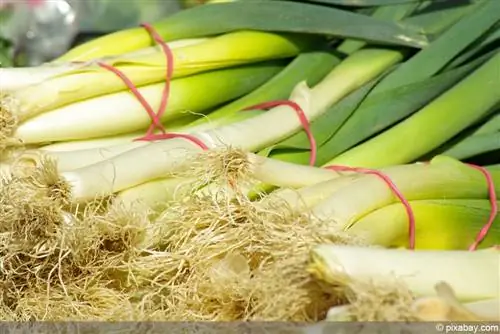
{"x":494,"y":207}
{"x":155,"y":117}
{"x":302,"y":118}
{"x":395,"y":191}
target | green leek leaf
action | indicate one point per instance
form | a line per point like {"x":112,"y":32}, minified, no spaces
{"x":432,"y":59}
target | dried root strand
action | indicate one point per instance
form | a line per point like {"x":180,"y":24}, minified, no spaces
{"x":211,"y":256}
{"x":387,"y":300}
{"x":8,"y":122}
{"x":75,"y":302}
{"x":41,"y":173}
{"x":244,"y":261}
{"x":60,"y":266}
{"x":220,"y":166}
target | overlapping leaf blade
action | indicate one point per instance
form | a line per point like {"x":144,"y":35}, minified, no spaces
{"x":292,"y":17}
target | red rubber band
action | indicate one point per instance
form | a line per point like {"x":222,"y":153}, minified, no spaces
{"x":302,"y":118}
{"x":136,"y":93}
{"x":394,"y":189}
{"x":168,"y":76}
{"x":170,"y":135}
{"x":155,"y":117}
{"x":494,"y":207}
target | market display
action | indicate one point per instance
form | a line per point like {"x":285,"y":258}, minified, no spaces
{"x":308,"y":161}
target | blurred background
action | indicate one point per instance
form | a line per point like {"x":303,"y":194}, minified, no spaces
{"x":35,"y":31}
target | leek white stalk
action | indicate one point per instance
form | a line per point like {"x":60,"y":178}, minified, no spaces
{"x":228,"y":50}
{"x":485,"y":308}
{"x":19,"y":77}
{"x":70,"y":160}
{"x":78,"y":154}
{"x":155,"y":160}
{"x":184,"y":125}
{"x":98,"y":143}
{"x":284,"y":174}
{"x":310,"y":195}
{"x":121,"y":112}
{"x":154,"y":194}
{"x":442,"y":178}
{"x":271,"y":171}
{"x":472,"y":275}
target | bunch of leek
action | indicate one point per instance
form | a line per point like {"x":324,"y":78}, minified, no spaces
{"x":45,"y":102}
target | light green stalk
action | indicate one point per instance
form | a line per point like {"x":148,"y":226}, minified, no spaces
{"x":443,"y":177}
{"x":440,"y":224}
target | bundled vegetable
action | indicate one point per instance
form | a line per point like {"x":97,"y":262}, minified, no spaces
{"x":240,"y":161}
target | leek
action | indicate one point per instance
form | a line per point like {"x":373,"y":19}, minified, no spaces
{"x":440,"y":224}
{"x":312,"y":66}
{"x":103,"y":142}
{"x":158,"y":193}
{"x":184,"y":125}
{"x":472,"y":275}
{"x":406,"y":93}
{"x":369,"y":115}
{"x":443,"y":177}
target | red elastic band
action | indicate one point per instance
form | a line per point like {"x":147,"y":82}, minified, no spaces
{"x":394,"y":189}
{"x":168,"y":76}
{"x":494,"y":207}
{"x":302,"y":118}
{"x":136,"y":93}
{"x":170,"y":135}
{"x":155,"y":117}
